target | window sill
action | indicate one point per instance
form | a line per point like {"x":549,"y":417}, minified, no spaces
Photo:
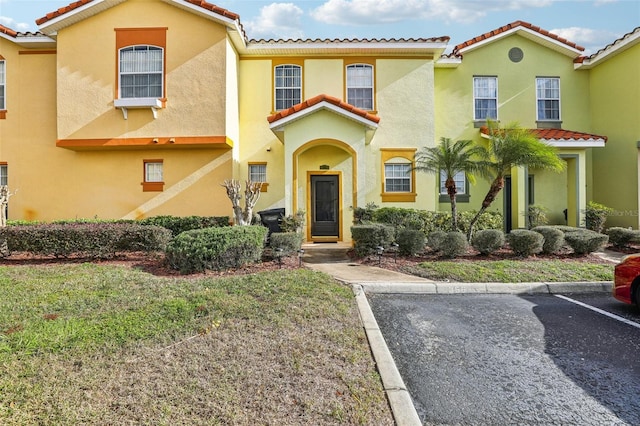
{"x":549,"y":124}
{"x":400,"y":197}
{"x":126,"y":104}
{"x":481,"y":123}
{"x":264,"y":187}
{"x":152,"y":186}
{"x":460,"y":198}
{"x":3,"y":114}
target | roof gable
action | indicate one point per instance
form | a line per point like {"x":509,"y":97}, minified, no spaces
{"x":524,"y":29}
{"x":323,"y":102}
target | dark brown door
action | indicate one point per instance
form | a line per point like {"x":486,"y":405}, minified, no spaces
{"x":325,"y":206}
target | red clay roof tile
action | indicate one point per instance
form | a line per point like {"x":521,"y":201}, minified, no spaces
{"x":510,"y":26}
{"x":322,"y":98}
{"x":556,"y":134}
{"x":203,"y":4}
{"x":8,"y":31}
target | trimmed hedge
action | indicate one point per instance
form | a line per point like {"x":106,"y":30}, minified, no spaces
{"x":367,"y":238}
{"x":524,"y":242}
{"x":622,"y":237}
{"x":585,"y":241}
{"x":178,"y":225}
{"x":93,"y":240}
{"x":289,"y":242}
{"x":486,"y":241}
{"x":553,"y":238}
{"x":429,"y":221}
{"x":434,"y":239}
{"x":454,"y":244}
{"x":222,"y":248}
{"x":410,"y":242}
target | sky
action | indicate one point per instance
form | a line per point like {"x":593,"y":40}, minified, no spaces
{"x":590,"y":23}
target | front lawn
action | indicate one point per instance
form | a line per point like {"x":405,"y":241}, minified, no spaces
{"x":105,"y":344}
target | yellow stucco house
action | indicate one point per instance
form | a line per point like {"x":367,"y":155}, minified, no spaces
{"x":137,"y":108}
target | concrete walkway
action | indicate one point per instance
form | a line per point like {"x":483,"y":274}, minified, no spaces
{"x":333,"y":260}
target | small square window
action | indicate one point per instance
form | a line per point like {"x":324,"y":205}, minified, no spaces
{"x":153,"y":175}
{"x":460,"y":180}
{"x":258,"y":173}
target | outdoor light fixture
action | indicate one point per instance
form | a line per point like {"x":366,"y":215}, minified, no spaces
{"x":395,"y":252}
{"x":300,"y":254}
{"x":279,"y":255}
{"x":380,"y":250}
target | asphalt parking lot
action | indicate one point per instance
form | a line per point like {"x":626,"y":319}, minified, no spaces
{"x":515,"y":359}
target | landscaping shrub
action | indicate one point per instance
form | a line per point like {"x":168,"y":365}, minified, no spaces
{"x":585,"y":241}
{"x":292,"y":223}
{"x":366,"y":238}
{"x":454,"y":244}
{"x":595,"y":216}
{"x":488,"y":220}
{"x":363,"y":215}
{"x":94,"y":240}
{"x":399,"y":218}
{"x":434,"y":240}
{"x":537,"y":216}
{"x":289,"y":242}
{"x":486,"y":241}
{"x":178,"y":225}
{"x":524,"y":242}
{"x":553,"y":238}
{"x":622,"y":237}
{"x":216,"y":248}
{"x":410,"y":242}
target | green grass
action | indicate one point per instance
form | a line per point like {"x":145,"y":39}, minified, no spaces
{"x":96,"y":344}
{"x":514,"y":271}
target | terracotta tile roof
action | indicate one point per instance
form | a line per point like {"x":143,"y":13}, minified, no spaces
{"x":8,"y":31}
{"x":557,"y":134}
{"x":203,"y":4}
{"x":511,"y":26}
{"x":322,"y":98}
{"x":610,"y":46}
{"x":443,"y":39}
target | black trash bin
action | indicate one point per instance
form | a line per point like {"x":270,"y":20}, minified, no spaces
{"x":272,"y":219}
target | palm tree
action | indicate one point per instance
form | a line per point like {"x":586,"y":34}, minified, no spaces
{"x":450,"y":158}
{"x":509,"y":147}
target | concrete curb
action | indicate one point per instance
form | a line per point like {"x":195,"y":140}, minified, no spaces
{"x":487,"y":288}
{"x":402,"y":408}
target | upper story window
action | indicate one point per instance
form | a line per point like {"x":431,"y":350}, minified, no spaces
{"x":360,"y":86}
{"x":141,"y":72}
{"x":3,"y":105}
{"x":485,"y":98}
{"x":548,"y":98}
{"x":288,"y":86}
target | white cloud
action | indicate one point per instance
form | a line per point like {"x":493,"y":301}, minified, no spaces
{"x":277,"y":20}
{"x":365,"y":12}
{"x":588,"y":38}
{"x":11,"y":23}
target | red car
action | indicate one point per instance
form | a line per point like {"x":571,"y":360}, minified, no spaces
{"x":626,"y":282}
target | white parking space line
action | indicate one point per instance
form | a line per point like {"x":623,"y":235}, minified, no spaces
{"x":600,"y":311}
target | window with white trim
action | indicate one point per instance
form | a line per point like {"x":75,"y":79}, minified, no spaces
{"x":485,"y":98}
{"x":360,"y":86}
{"x":397,"y":176}
{"x":548,"y":98}
{"x":459,"y":178}
{"x":258,"y":172}
{"x":153,"y":171}
{"x":288,"y":86}
{"x":2,"y":85}
{"x":4,"y":174}
{"x":141,"y":71}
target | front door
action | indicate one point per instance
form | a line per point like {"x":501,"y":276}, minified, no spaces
{"x":325,"y":206}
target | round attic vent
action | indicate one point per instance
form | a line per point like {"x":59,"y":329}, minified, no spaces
{"x":516,"y":54}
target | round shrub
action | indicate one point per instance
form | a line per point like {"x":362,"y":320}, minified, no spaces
{"x":410,"y":242}
{"x":366,"y":238}
{"x":622,"y":237}
{"x":454,"y":244}
{"x":487,"y":241}
{"x":434,"y":240}
{"x":586,"y":241}
{"x":216,"y":248}
{"x":553,"y":238}
{"x":524,"y":242}
{"x":289,"y":242}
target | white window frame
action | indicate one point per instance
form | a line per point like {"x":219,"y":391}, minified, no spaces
{"x":148,"y":67}
{"x":392,"y":176}
{"x":4,"y":174}
{"x":546,"y":94}
{"x":288,"y":84}
{"x":153,"y":171}
{"x":3,"y":85}
{"x":482,"y":92}
{"x":360,"y":86}
{"x":461,"y":182}
{"x":258,"y":170}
